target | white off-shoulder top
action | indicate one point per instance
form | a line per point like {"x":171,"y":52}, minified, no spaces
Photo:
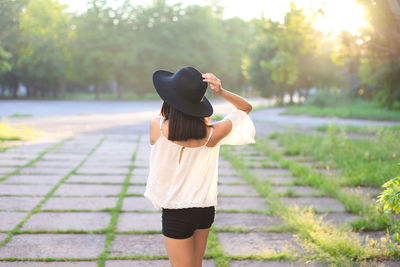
{"x":190,"y":179}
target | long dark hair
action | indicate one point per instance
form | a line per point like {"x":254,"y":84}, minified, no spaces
{"x":182,"y":127}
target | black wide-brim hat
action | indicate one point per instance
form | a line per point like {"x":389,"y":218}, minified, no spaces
{"x":184,"y":91}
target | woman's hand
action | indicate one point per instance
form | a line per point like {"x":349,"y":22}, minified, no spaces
{"x":215,"y":83}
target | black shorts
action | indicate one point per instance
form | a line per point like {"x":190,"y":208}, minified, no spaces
{"x":181,"y":223}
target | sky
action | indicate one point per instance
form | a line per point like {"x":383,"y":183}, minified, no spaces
{"x":339,"y":14}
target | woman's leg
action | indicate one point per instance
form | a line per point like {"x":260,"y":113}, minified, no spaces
{"x":200,"y":244}
{"x":180,"y":251}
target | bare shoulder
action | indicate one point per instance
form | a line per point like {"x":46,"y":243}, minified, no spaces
{"x":154,"y":129}
{"x":221,"y":129}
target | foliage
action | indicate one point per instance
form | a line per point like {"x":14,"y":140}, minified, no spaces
{"x":362,"y":161}
{"x":114,"y":49}
{"x":288,"y":57}
{"x":325,"y":103}
{"x":9,"y":133}
{"x":389,"y":199}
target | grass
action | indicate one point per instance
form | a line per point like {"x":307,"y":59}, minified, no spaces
{"x":355,"y":109}
{"x":339,"y":246}
{"x":365,"y":162}
{"x":20,"y":115}
{"x":369,"y":129}
{"x":10,"y":133}
{"x":111,"y":96}
{"x":371,"y":218}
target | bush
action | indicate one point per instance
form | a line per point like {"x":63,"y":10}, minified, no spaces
{"x":389,"y":199}
{"x":328,"y":98}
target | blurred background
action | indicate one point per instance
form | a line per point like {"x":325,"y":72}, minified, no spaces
{"x":329,"y":52}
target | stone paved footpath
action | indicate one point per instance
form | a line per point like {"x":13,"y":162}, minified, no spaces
{"x":80,"y":202}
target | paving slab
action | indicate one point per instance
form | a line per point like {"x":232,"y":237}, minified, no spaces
{"x":44,"y":170}
{"x":87,"y":190}
{"x":18,"y":203}
{"x":24,"y":157}
{"x":137,"y":203}
{"x":10,"y":219}
{"x":64,"y":157}
{"x":366,"y":191}
{"x":10,"y":189}
{"x":128,"y":221}
{"x":224,"y":164}
{"x":56,"y":164}
{"x":231,"y":179}
{"x":372,"y":235}
{"x":227,"y":171}
{"x":97,"y":178}
{"x":138,"y":179}
{"x":79,"y":203}
{"x":262,"y":164}
{"x":297,"y":189}
{"x":242,"y":190}
{"x":383,"y":263}
{"x":139,"y":163}
{"x":67,"y":221}
{"x":97,"y":159}
{"x":299,"y":158}
{"x":248,"y":221}
{"x":48,"y":264}
{"x":34,"y":179}
{"x":6,"y":170}
{"x":104,"y":170}
{"x":338,"y":217}
{"x":242,"y":203}
{"x":12,"y":162}
{"x":53,"y":245}
{"x":136,"y":189}
{"x":140,"y":171}
{"x":270,"y":172}
{"x":3,"y":236}
{"x":272,"y":263}
{"x":320,"y":204}
{"x":108,"y":164}
{"x":148,"y":263}
{"x":256,"y":243}
{"x":138,"y":244}
{"x":279,"y":180}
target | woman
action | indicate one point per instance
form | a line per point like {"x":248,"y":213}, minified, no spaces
{"x":185,"y":144}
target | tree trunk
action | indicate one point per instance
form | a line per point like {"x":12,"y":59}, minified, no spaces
{"x":291,"y":97}
{"x":14,"y":92}
{"x":96,"y":92}
{"x":120,"y":92}
{"x":62,"y":88}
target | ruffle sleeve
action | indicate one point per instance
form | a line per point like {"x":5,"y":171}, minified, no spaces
{"x":243,"y":130}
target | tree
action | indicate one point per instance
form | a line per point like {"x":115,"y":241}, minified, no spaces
{"x":42,"y":58}
{"x":382,"y":40}
{"x":284,"y":52}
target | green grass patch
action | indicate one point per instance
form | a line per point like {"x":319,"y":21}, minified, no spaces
{"x":359,"y":110}
{"x":368,"y":129}
{"x":111,"y":96}
{"x":361,"y":161}
{"x":9,"y":133}
{"x":20,"y":115}
{"x":328,"y":243}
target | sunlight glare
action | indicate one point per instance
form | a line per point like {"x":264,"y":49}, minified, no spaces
{"x":341,"y":15}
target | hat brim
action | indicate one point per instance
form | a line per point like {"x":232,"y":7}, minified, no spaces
{"x":162,"y":84}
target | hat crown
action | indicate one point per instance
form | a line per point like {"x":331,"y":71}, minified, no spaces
{"x":189,"y":84}
{"x":184,"y":90}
